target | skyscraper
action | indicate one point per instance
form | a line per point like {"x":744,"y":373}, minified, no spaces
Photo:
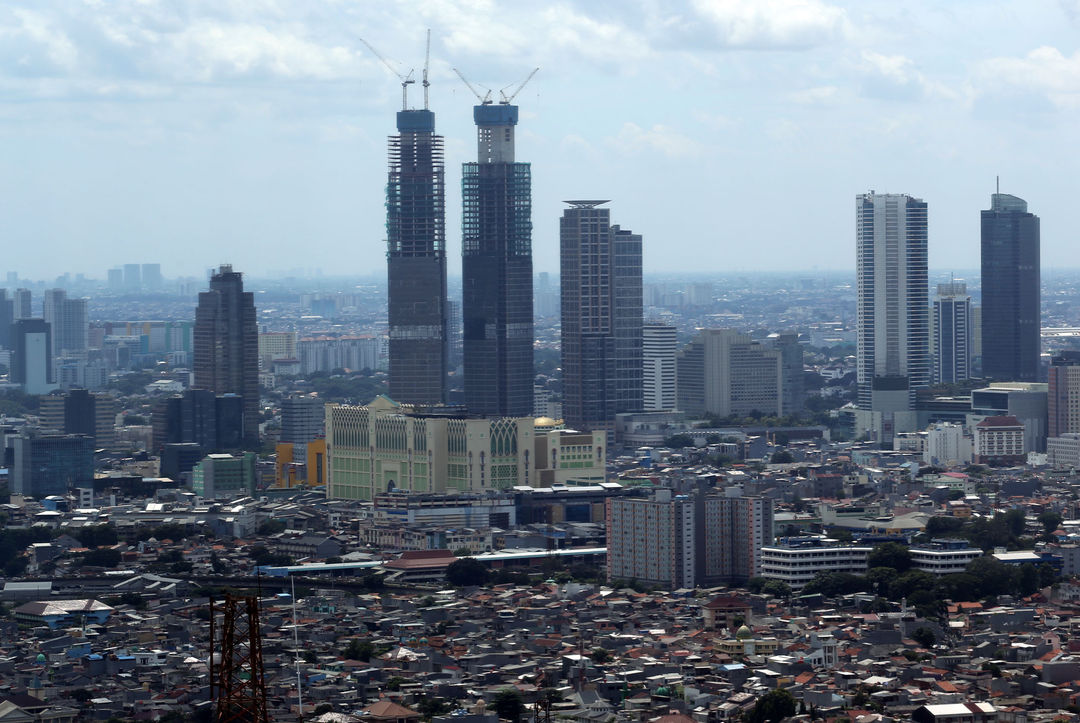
{"x":952,"y":332}
{"x":32,"y":356}
{"x":659,"y":347}
{"x":496,"y":269}
{"x":793,"y":387}
{"x":892,"y":311}
{"x":601,"y":317}
{"x":227,"y":345}
{"x":23,"y":303}
{"x":725,"y":372}
{"x":416,"y":261}
{"x":7,"y":317}
{"x":68,"y":322}
{"x":1063,"y":398}
{"x":1010,"y":290}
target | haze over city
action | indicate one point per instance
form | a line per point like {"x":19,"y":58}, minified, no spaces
{"x":731,"y":135}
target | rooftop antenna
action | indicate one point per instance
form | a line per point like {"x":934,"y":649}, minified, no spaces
{"x":484,"y":99}
{"x":998,"y":179}
{"x":507,"y":99}
{"x":427,"y":59}
{"x":406,"y":80}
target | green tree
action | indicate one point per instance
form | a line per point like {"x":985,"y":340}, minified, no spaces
{"x":466,"y":572}
{"x":678,"y":441}
{"x":924,"y":637}
{"x":777,"y":588}
{"x":600,"y":655}
{"x":361,"y":650}
{"x":890,"y":554}
{"x":910,"y":582}
{"x":430,"y":706}
{"x":508,"y":705}
{"x":1050,"y":520}
{"x":994,"y":576}
{"x":782,"y":456}
{"x":774,"y":706}
{"x":835,"y":583}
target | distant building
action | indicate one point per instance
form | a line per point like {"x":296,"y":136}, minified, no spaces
{"x":952,"y":325}
{"x":1000,"y":440}
{"x":227,"y":344}
{"x":1063,"y":400}
{"x":659,"y":349}
{"x":1064,"y":451}
{"x":892,"y":312}
{"x":326,"y":353}
{"x":947,"y":445}
{"x":80,"y":412}
{"x":725,"y":372}
{"x":943,"y":557}
{"x":303,"y":418}
{"x":151,"y":277}
{"x":225,"y":476}
{"x":1011,"y":311}
{"x":687,"y":540}
{"x":792,"y":385}
{"x":275,"y":345}
{"x":386,"y":446}
{"x":23,"y":299}
{"x":32,"y":356}
{"x":1027,"y":401}
{"x":132,"y":278}
{"x":301,"y":449}
{"x":797,"y":561}
{"x":51,"y":464}
{"x":600,"y":274}
{"x":214,"y":422}
{"x":7,"y":318}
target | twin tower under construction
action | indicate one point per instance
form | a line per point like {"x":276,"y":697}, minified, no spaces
{"x":496,"y":268}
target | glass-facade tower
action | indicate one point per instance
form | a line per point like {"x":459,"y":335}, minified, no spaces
{"x":416,"y":261}
{"x":602,"y":368}
{"x":496,"y":270}
{"x":1010,"y":291}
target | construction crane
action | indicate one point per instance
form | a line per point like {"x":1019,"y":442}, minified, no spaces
{"x":406,"y":80}
{"x":507,"y":99}
{"x":427,"y":59}
{"x":484,"y":99}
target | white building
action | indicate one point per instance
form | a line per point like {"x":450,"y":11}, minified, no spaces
{"x":893,"y":326}
{"x":797,"y":564}
{"x":659,"y":347}
{"x":943,"y":557}
{"x":1064,"y":451}
{"x":947,"y":445}
{"x":1000,"y":440}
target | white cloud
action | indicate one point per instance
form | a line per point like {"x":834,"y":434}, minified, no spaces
{"x":1045,"y":69}
{"x":820,"y":95}
{"x":897,"y":77}
{"x":633,"y":139}
{"x":779,"y":24}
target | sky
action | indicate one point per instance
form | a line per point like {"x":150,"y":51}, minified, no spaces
{"x":731,"y":134}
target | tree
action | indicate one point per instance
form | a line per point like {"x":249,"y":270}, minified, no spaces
{"x":775,"y":705}
{"x":1050,"y":520}
{"x":777,"y":588}
{"x":508,"y":705}
{"x":361,"y":650}
{"x":910,"y":582}
{"x":466,"y":572}
{"x":924,"y":637}
{"x":782,"y":456}
{"x":890,"y":554}
{"x":600,"y":655}
{"x":324,"y":708}
{"x":678,"y":441}
{"x":430,"y":706}
{"x":310,"y":657}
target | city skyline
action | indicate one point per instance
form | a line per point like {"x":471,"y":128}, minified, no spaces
{"x":262,"y":132}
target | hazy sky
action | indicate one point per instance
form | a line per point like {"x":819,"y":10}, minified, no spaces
{"x":733,"y":134}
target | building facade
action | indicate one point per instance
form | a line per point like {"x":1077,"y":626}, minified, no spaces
{"x":1063,"y":394}
{"x":81,"y":412}
{"x":893,"y":326}
{"x":51,"y":464}
{"x":68,"y":322}
{"x":659,"y":348}
{"x":227,"y":345}
{"x":225,"y":476}
{"x":600,"y":272}
{"x":32,"y":356}
{"x":724,"y":372}
{"x":496,"y":270}
{"x":416,"y":261}
{"x":952,"y":333}
{"x":1027,"y":401}
{"x":386,"y":446}
{"x":1011,"y":311}
{"x":798,"y":560}
{"x":1000,"y":441}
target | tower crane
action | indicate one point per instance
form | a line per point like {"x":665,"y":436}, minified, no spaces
{"x":406,"y":80}
{"x":484,"y":99}
{"x":507,"y":99}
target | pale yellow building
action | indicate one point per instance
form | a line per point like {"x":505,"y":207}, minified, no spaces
{"x":388,"y":446}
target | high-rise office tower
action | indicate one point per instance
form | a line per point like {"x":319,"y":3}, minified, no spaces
{"x":151,"y":277}
{"x":893,"y":325}
{"x":68,"y":322}
{"x":792,"y":384}
{"x":23,"y":304}
{"x":416,"y":261}
{"x":227,"y":345}
{"x":116,"y":279}
{"x":496,"y":270}
{"x":600,"y":272}
{"x":132,"y":277}
{"x":1010,"y":290}
{"x":7,"y":317}
{"x":659,"y":347}
{"x":952,"y":332}
{"x":1063,"y":394}
{"x":725,"y":372}
{"x":32,"y":356}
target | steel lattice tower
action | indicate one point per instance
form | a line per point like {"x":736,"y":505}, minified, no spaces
{"x":237,"y":682}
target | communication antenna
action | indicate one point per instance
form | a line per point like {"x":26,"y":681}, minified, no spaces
{"x":507,"y":99}
{"x":484,"y":99}
{"x":406,"y":80}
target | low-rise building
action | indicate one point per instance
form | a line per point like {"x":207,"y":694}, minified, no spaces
{"x":797,"y":560}
{"x":943,"y":557}
{"x":1000,"y":440}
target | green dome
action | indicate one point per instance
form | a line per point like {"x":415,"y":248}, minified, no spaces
{"x":662,"y":690}
{"x":41,"y":658}
{"x":744,"y":633}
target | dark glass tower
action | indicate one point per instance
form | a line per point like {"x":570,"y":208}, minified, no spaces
{"x":601,"y":318}
{"x":496,"y":269}
{"x":227,"y":345}
{"x":416,"y":261}
{"x":1010,"y":291}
